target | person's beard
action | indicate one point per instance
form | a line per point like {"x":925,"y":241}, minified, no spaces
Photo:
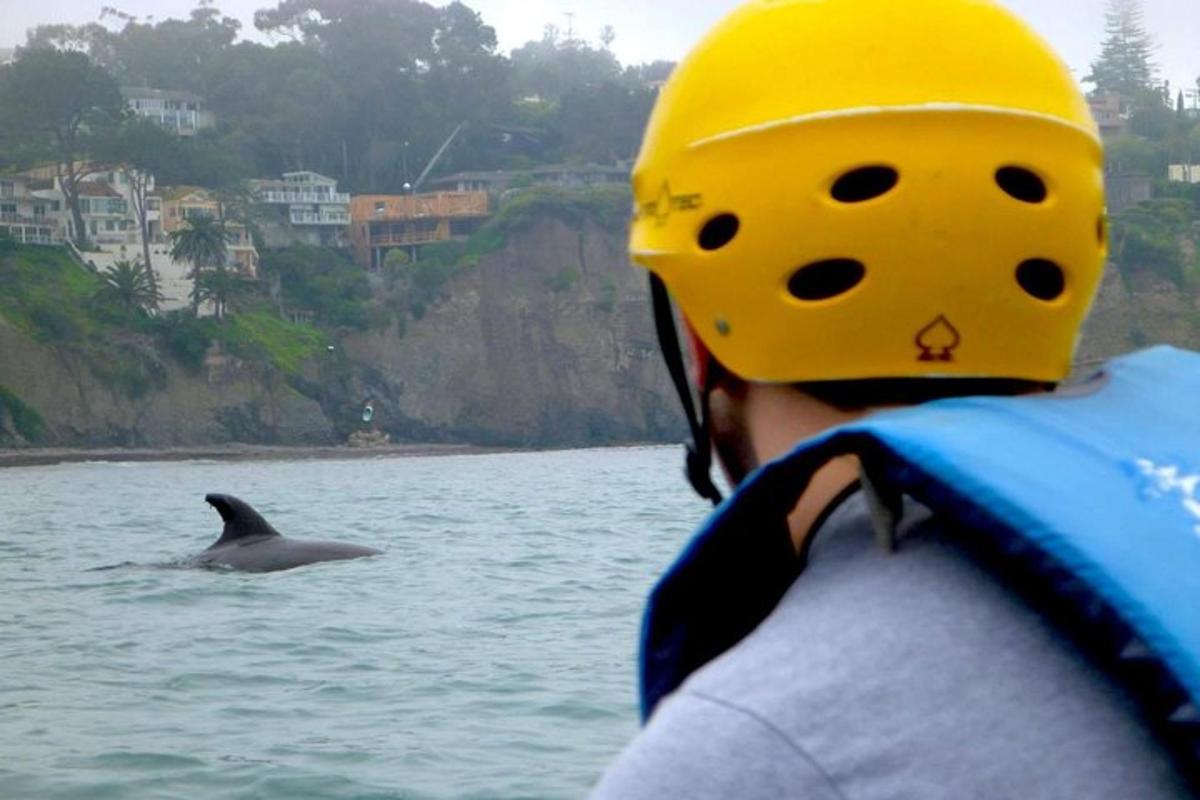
{"x":730,"y":434}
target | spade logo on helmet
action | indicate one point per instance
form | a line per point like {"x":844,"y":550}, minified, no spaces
{"x":938,"y":340}
{"x":660,"y":208}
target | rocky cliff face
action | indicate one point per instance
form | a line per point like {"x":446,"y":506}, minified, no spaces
{"x":1137,"y":312}
{"x":78,"y":408}
{"x":548,"y":340}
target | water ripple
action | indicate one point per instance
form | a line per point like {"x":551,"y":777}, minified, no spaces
{"x":488,"y":654}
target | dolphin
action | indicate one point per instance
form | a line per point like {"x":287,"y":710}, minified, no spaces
{"x":249,"y":543}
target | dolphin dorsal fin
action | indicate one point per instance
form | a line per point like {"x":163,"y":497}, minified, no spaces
{"x":241,"y":521}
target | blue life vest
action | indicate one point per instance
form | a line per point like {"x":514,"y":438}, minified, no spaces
{"x":1097,"y":490}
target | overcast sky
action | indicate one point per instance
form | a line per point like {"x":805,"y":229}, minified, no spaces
{"x":665,"y":28}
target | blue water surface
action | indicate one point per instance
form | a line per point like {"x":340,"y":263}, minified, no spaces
{"x":488,"y":653}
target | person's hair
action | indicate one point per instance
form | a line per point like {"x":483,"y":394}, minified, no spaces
{"x":863,"y":394}
{"x":859,"y":395}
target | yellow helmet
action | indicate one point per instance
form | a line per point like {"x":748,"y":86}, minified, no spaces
{"x":844,"y":189}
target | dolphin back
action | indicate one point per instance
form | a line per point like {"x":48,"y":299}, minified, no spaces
{"x":241,"y":520}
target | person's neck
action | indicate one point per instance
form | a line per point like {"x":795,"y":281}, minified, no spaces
{"x":778,"y":419}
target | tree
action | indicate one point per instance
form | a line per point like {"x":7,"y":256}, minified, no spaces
{"x":171,"y":54}
{"x":223,"y":287}
{"x":58,"y":103}
{"x":128,"y":285}
{"x":378,"y":52}
{"x":1125,"y":65}
{"x":141,"y":150}
{"x":322,"y":281}
{"x":204,"y":243}
{"x":553,"y":67}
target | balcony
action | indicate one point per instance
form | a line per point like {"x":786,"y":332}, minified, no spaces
{"x":408,"y":238}
{"x":302,"y":196}
{"x":25,"y":219}
{"x":32,"y":233}
{"x":341,"y":218}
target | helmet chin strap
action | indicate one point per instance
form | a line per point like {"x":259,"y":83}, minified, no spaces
{"x":698,"y":465}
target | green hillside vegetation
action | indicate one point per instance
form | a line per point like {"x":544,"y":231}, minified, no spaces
{"x":28,"y":423}
{"x":46,"y":294}
{"x":321,"y":281}
{"x":1159,"y":237}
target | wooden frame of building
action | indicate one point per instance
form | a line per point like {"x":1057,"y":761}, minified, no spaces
{"x":379,"y":223}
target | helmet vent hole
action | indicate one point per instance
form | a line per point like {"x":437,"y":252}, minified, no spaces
{"x":1102,"y":230}
{"x":865,"y":183}
{"x":1022,"y":184}
{"x":824,"y":280}
{"x":1042,"y":279}
{"x":719,"y":231}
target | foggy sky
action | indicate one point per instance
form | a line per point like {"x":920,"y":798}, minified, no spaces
{"x":665,"y":28}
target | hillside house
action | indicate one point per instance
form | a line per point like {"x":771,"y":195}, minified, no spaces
{"x":1183,"y":173}
{"x":1125,"y":189}
{"x":569,"y":176}
{"x":1111,"y":112}
{"x":182,"y":203}
{"x":303,"y":207}
{"x":30,"y":211}
{"x":492,"y":182}
{"x":107,"y":214}
{"x":182,"y":113}
{"x":379,"y":223}
{"x":580,"y":176}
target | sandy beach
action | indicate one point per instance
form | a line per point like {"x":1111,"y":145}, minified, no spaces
{"x":234,"y":452}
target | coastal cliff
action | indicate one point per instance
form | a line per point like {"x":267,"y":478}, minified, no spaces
{"x":544,"y":340}
{"x":541,"y":338}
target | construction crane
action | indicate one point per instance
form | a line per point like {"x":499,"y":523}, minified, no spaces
{"x":415,"y":186}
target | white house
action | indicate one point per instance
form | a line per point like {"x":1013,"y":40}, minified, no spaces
{"x":304,"y":207}
{"x":182,"y":113}
{"x":1184,"y":173}
{"x":30,"y":210}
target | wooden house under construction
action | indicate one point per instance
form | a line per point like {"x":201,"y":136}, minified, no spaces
{"x":379,"y":223}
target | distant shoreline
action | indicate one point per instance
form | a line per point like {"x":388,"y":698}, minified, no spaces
{"x":37,"y":457}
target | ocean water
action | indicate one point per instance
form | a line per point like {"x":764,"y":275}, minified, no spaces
{"x":488,"y":654}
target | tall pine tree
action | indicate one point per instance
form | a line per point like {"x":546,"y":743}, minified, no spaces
{"x":1125,"y":65}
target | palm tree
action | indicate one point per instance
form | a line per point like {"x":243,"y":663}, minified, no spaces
{"x":204,"y":242}
{"x":129,"y":286}
{"x":223,"y":287}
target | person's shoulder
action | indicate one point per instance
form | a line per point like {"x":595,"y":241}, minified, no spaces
{"x":925,"y":666}
{"x":702,"y":747}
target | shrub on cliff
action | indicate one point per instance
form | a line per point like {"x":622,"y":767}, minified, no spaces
{"x":606,"y":206}
{"x":28,"y":423}
{"x":320,"y":280}
{"x":1156,"y":237}
{"x":185,"y":337}
{"x":261,"y":336}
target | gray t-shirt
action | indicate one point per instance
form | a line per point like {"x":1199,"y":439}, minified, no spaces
{"x":907,"y":675}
